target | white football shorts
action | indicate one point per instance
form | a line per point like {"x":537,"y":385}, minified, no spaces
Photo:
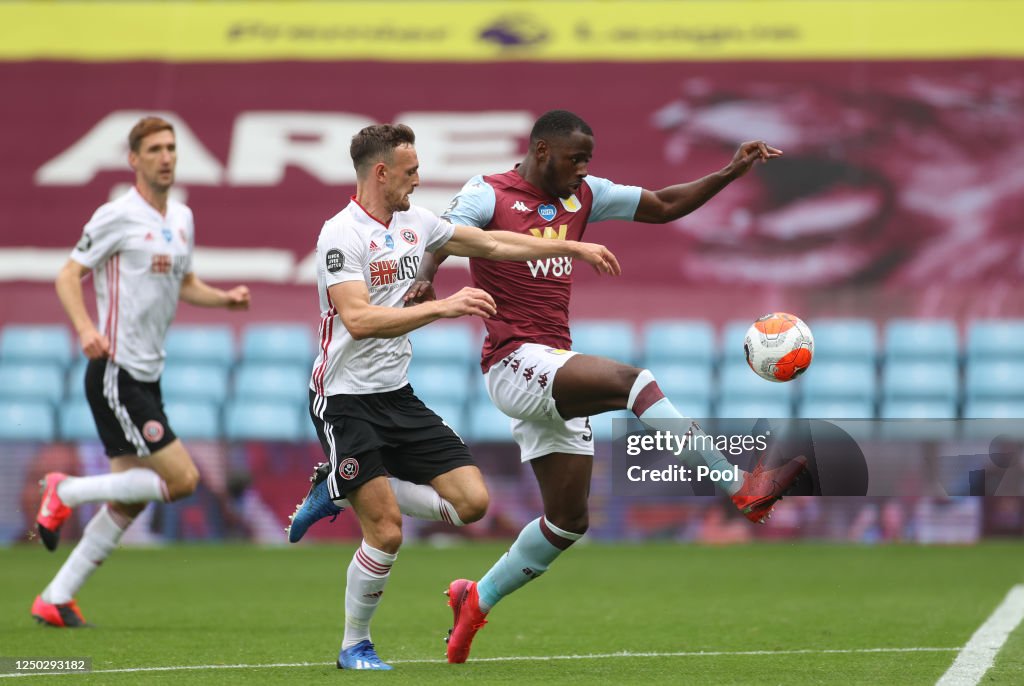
{"x":520,"y":386}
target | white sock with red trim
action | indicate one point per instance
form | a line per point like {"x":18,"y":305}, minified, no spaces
{"x":133,"y":486}
{"x":367,"y":574}
{"x":649,"y":404}
{"x":101,"y":536}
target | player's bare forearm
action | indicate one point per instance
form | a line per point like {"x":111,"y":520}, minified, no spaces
{"x":197,"y":292}
{"x":69,"y":291}
{"x":365,"y":320}
{"x":673,"y":202}
{"x":469,"y":241}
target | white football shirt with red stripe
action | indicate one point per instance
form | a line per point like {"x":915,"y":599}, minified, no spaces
{"x":354,"y":246}
{"x":138,"y":258}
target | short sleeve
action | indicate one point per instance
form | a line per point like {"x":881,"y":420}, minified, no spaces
{"x":191,"y":228}
{"x":440,"y":232}
{"x":473,"y":206}
{"x":102,"y":237}
{"x":612,"y":201}
{"x":341,"y":255}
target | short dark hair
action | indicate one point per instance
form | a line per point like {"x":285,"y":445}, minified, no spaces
{"x":557,"y":124}
{"x":377,"y":143}
{"x":144,"y":127}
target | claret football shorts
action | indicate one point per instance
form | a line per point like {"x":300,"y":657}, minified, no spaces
{"x":520,"y":385}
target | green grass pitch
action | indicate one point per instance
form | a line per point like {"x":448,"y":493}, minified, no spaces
{"x":765,"y":614}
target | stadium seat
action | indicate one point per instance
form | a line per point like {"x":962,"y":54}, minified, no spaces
{"x":440,"y":383}
{"x":50,"y":343}
{"x":278,"y":343}
{"x":678,"y":340}
{"x":205,"y":344}
{"x":733,"y":335}
{"x":447,"y":343}
{"x":918,"y":409}
{"x":917,"y":339}
{"x":854,"y":380}
{"x":912,"y":412}
{"x":75,"y":379}
{"x":993,"y":339}
{"x":264,"y":421}
{"x":27,"y":420}
{"x":845,"y":340}
{"x":485,"y":422}
{"x":685,"y":383}
{"x":199,"y":382}
{"x":754,"y":408}
{"x":739,"y":382}
{"x":76,"y":422}
{"x":994,"y":380}
{"x":609,"y":338}
{"x":994,"y":409}
{"x":831,"y":408}
{"x":274,"y":382}
{"x":453,"y":415}
{"x":194,"y":420}
{"x":920,"y":381}
{"x":31,"y":381}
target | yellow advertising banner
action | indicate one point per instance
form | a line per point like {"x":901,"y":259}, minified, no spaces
{"x":512,"y":30}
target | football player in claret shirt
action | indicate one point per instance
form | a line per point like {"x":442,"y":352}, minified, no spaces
{"x":139,"y":250}
{"x":387,"y":452}
{"x":532,"y":374}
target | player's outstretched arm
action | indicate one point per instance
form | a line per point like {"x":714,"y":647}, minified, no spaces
{"x":69,"y":291}
{"x":195,"y":291}
{"x":673,"y":202}
{"x":364,"y":320}
{"x":470,"y":241}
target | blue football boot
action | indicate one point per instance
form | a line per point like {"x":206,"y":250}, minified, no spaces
{"x":361,"y":656}
{"x":315,"y":506}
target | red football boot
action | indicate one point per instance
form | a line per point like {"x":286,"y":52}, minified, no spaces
{"x":64,"y":616}
{"x":468,"y":619}
{"x":52,"y":511}
{"x":762,"y":488}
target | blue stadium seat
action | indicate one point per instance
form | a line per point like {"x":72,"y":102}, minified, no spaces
{"x":917,"y":339}
{"x":76,"y":422}
{"x":275,"y":382}
{"x":207,"y":344}
{"x":75,"y":389}
{"x":994,"y":380}
{"x":754,"y":409}
{"x":27,"y":420}
{"x":739,"y":382}
{"x":907,"y":380}
{"x":199,"y":382}
{"x":194,"y":420}
{"x":845,"y":340}
{"x":995,"y":339}
{"x":678,"y":340}
{"x":445,"y":342}
{"x":485,"y":422}
{"x":452,"y":413}
{"x":264,"y":421}
{"x":49,"y":343}
{"x":733,"y":334}
{"x":830,"y":408}
{"x":918,"y":409}
{"x":440,"y":383}
{"x":609,"y":338}
{"x":686,"y":384}
{"x":28,"y":381}
{"x":854,"y":380}
{"x":279,"y":343}
{"x":994,"y":409}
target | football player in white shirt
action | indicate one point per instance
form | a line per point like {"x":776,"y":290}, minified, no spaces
{"x":370,"y":423}
{"x":139,"y":248}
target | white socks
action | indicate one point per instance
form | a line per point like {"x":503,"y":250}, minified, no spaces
{"x":99,"y":539}
{"x":419,"y":501}
{"x":133,"y":486}
{"x":367,"y":574}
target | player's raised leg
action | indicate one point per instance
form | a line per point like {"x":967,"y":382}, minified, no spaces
{"x":168,"y":474}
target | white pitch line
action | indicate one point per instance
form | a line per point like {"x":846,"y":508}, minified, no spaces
{"x":980,"y":652}
{"x":514,"y":658}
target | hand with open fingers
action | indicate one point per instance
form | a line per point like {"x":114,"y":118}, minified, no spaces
{"x":469,"y":301}
{"x":95,"y":345}
{"x":750,"y":152}
{"x":420,"y":291}
{"x":602,"y":259}
{"x":238,"y":298}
